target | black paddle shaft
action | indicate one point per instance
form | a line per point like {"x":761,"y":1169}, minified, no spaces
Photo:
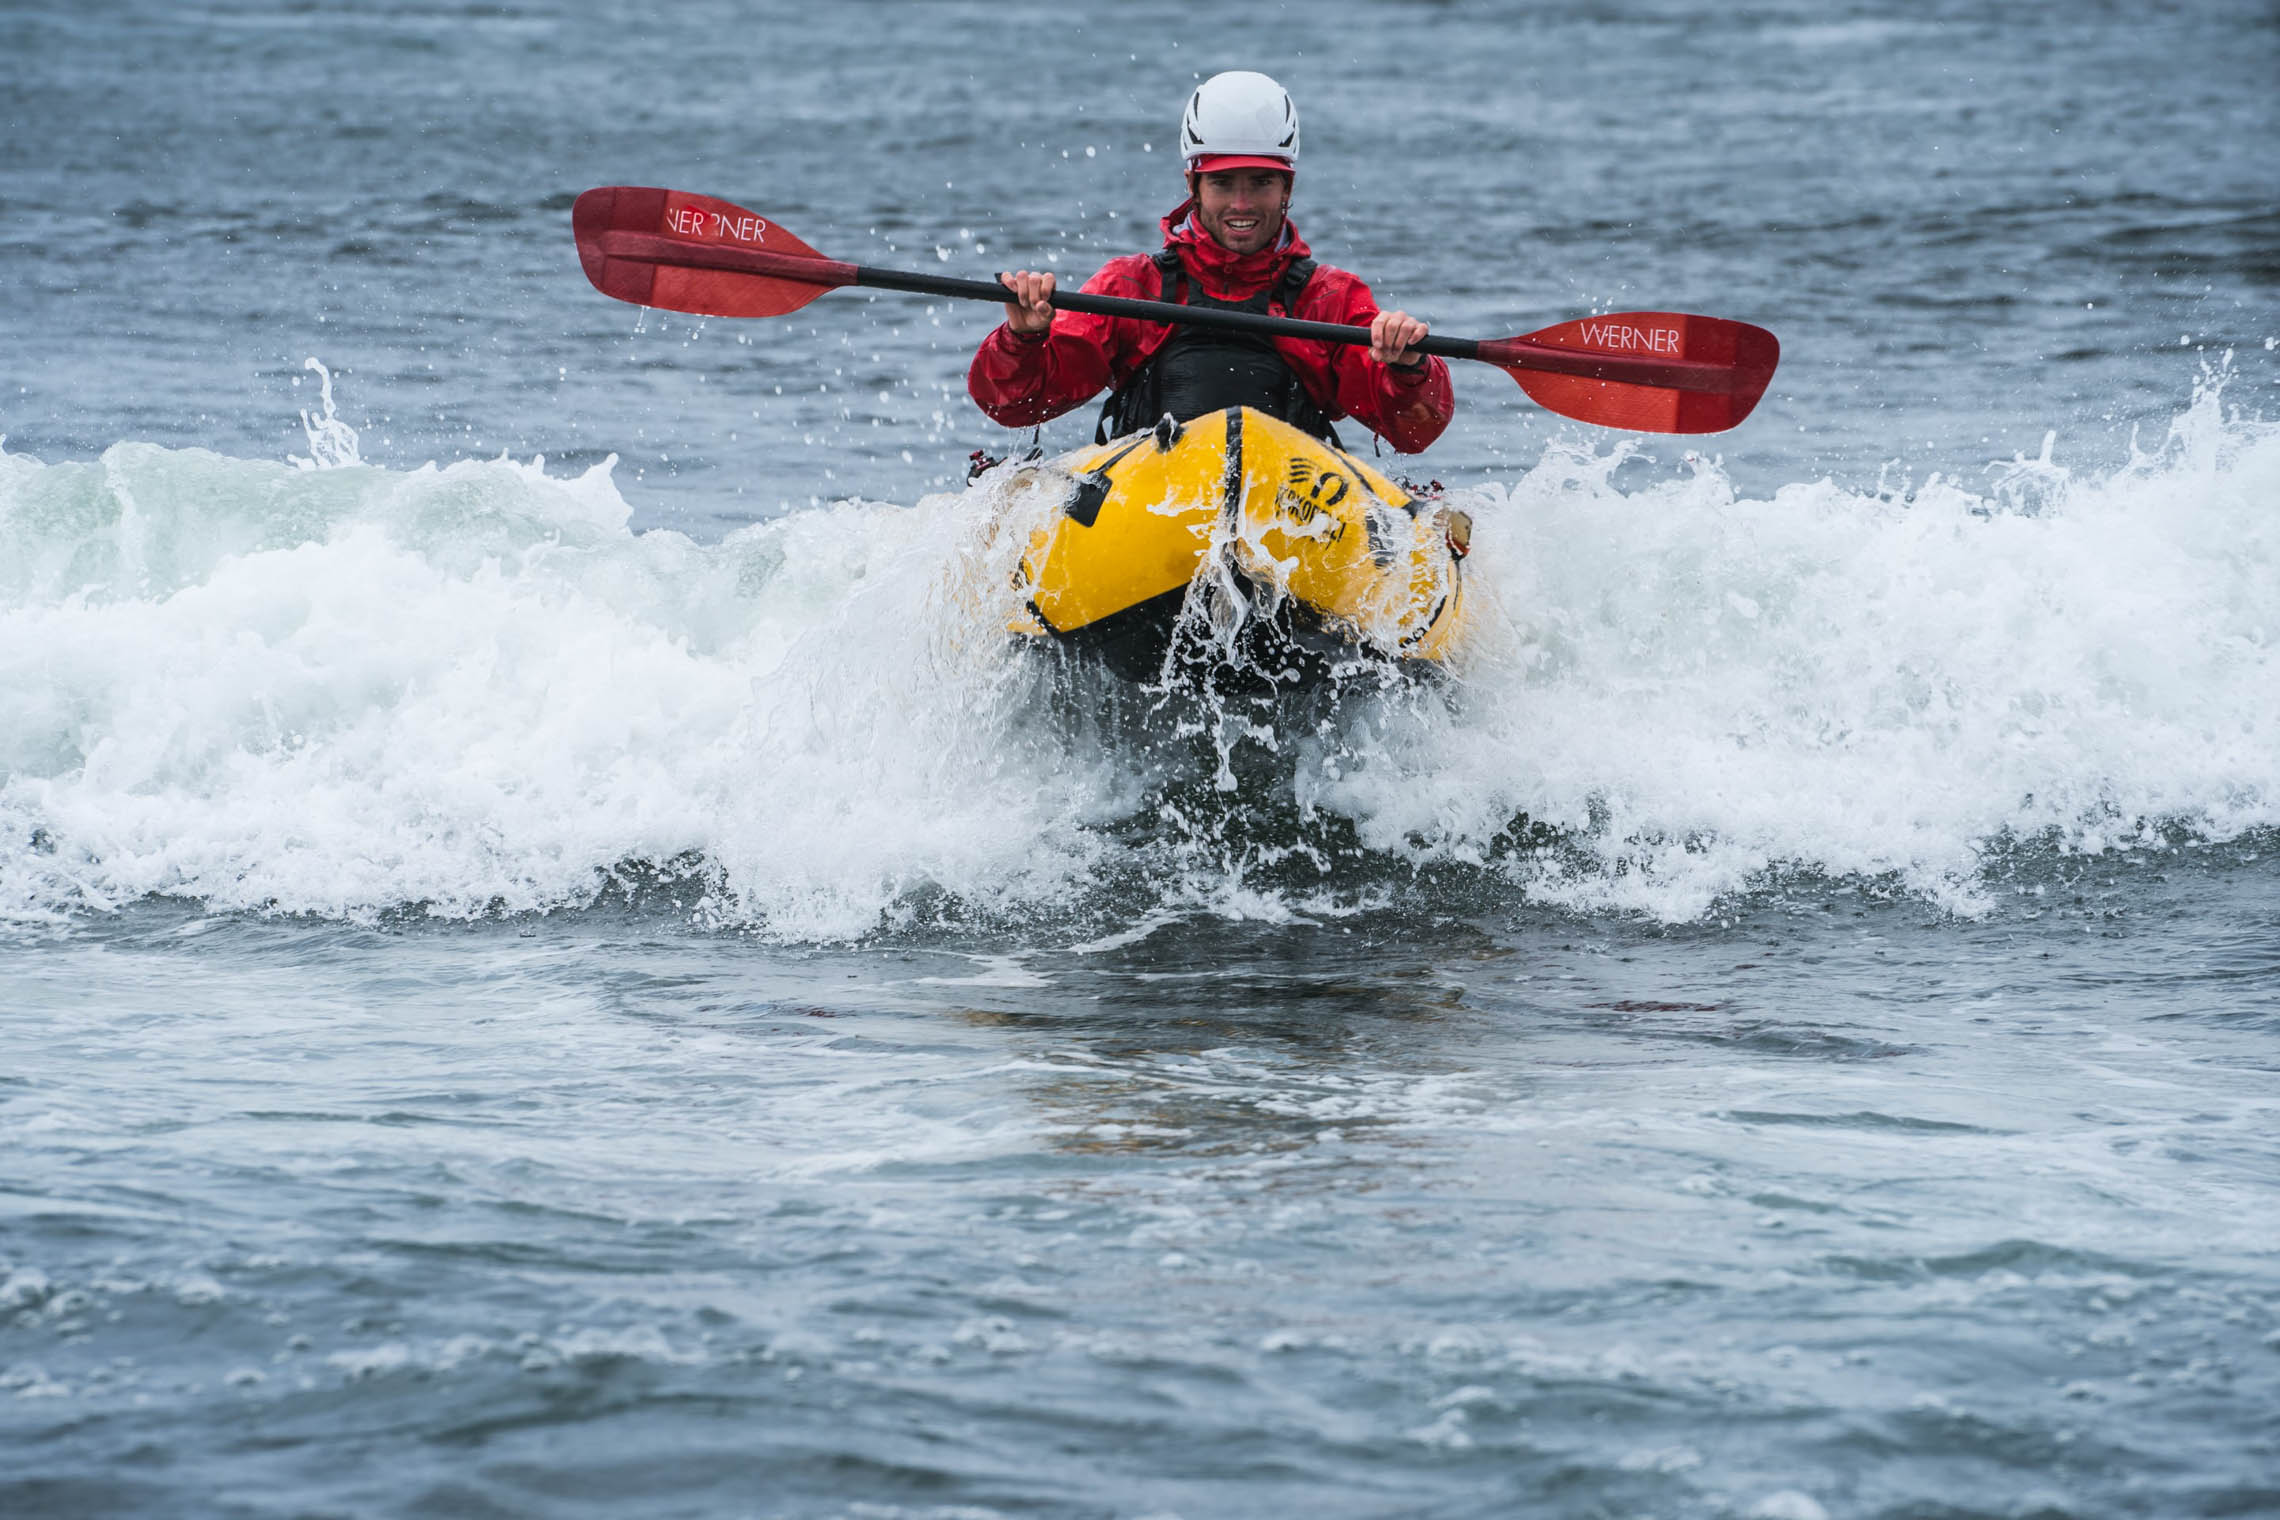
{"x":1154,"y":311}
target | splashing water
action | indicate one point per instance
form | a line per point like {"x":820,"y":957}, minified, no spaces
{"x":332,"y":442}
{"x":344,"y":690}
{"x":1697,"y":690}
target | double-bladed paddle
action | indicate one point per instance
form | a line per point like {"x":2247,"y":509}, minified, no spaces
{"x":1649,"y":371}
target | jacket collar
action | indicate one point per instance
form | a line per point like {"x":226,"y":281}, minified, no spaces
{"x":1224,"y":274}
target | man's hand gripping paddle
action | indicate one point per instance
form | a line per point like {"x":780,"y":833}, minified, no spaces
{"x":1648,"y":371}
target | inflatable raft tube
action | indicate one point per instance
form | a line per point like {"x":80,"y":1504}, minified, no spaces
{"x":1245,"y":543}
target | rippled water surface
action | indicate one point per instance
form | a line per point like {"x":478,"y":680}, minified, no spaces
{"x":600,"y":985}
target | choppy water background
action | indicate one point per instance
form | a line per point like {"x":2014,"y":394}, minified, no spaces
{"x":548,"y":988}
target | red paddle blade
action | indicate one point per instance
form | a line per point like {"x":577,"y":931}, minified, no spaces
{"x":696,"y":254}
{"x":1648,"y":371}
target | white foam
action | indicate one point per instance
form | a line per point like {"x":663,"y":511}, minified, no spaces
{"x":1699,"y":688}
{"x":348,"y":690}
{"x":473,"y":688}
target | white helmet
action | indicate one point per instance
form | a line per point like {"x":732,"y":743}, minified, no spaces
{"x":1243,"y":117}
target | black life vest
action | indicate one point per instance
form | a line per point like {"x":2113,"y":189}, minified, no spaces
{"x":1206,"y":369}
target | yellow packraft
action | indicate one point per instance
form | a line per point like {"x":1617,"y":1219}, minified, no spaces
{"x":1252,"y":529}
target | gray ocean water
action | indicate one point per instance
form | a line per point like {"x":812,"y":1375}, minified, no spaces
{"x":553,"y":961}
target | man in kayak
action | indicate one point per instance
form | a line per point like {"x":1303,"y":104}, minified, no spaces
{"x":1229,"y":245}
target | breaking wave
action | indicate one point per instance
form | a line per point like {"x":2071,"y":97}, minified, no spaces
{"x":337,"y":689}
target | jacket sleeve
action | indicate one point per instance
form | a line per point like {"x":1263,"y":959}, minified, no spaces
{"x":1019,"y":381}
{"x":1407,"y":408}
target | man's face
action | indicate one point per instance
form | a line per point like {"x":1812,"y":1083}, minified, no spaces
{"x":1242,"y":209}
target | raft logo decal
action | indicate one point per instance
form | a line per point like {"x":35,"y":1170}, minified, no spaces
{"x":691,"y":221}
{"x":1306,"y":495}
{"x":1621,"y":337}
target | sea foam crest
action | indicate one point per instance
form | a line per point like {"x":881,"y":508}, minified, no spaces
{"x":474,"y":689}
{"x":1698,"y":688}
